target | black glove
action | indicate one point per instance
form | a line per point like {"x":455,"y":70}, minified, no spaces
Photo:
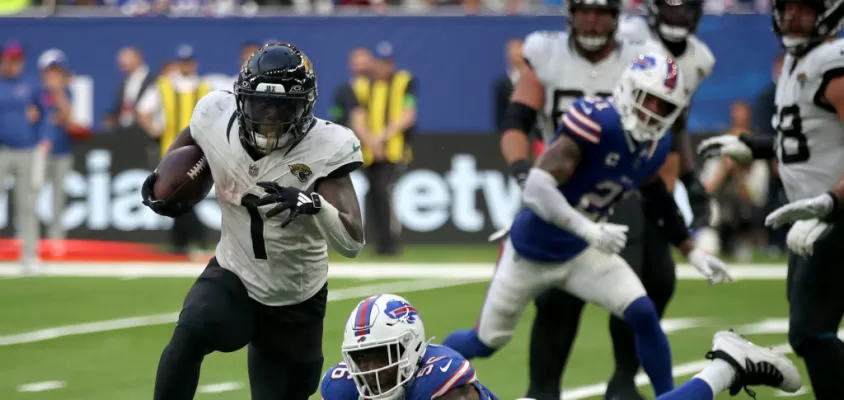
{"x":698,"y":200}
{"x":519,"y":170}
{"x":170,"y":209}
{"x":289,"y":198}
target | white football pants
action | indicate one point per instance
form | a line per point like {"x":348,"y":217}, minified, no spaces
{"x":593,"y":276}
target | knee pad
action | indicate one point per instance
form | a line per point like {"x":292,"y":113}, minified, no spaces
{"x":221,"y":332}
{"x":641,"y":314}
{"x":804,"y":344}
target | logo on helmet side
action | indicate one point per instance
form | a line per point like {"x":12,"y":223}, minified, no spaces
{"x":401,"y":311}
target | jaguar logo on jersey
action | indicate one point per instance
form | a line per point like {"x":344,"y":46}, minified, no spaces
{"x":301,"y":171}
{"x":253,"y":170}
{"x":801,"y":78}
{"x":401,"y":311}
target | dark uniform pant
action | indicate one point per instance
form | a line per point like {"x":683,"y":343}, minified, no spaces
{"x":816,"y":304}
{"x":380,"y":215}
{"x":284,"y":343}
{"x":558,"y":313}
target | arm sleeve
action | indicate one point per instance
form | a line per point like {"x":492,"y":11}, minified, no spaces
{"x":541,"y":196}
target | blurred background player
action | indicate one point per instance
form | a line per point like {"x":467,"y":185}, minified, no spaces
{"x":20,"y":140}
{"x":808,"y":148}
{"x":163,"y":111}
{"x":603,"y":149}
{"x":386,"y":355}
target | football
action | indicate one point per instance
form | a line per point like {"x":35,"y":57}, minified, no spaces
{"x":183,"y":176}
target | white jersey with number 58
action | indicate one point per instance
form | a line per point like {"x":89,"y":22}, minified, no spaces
{"x":277,"y":266}
{"x":567,"y":76}
{"x":810,"y":135}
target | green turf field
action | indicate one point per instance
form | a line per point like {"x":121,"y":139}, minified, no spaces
{"x":82,"y":359}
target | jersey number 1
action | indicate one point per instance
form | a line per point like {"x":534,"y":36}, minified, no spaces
{"x":256,"y":225}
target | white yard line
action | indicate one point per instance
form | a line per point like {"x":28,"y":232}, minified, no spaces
{"x":351,"y":270}
{"x":160,"y":319}
{"x":763,"y":327}
{"x":220,"y":387}
{"x":41,"y":386}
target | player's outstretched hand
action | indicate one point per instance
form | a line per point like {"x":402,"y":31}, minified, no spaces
{"x":289,"y":198}
{"x":803,"y":235}
{"x":606,"y":237}
{"x":170,"y":209}
{"x":726,"y":145}
{"x":816,"y":207}
{"x":710,"y":266}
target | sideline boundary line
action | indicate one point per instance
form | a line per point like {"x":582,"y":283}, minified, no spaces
{"x":357,"y":292}
{"x":458,"y":271}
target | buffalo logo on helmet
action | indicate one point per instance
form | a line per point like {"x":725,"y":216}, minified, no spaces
{"x":400,"y":311}
{"x":301,"y":171}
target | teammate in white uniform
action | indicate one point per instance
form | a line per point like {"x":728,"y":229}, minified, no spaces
{"x":810,"y":149}
{"x":266,"y":285}
{"x":563,"y":66}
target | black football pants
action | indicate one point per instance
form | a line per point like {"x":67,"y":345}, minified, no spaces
{"x":284,"y":343}
{"x":816,"y":304}
{"x":186,"y":229}
{"x":558,"y":313}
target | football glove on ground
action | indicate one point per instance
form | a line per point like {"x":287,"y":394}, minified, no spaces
{"x":289,"y":198}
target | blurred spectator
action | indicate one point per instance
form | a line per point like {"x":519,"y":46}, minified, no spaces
{"x":344,"y":102}
{"x":19,"y":113}
{"x":56,"y":102}
{"x":130,"y":61}
{"x":740,"y":191}
{"x":163,"y":111}
{"x":389,"y":100}
{"x":226,"y":82}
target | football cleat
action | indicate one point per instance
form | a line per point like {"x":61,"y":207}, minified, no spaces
{"x":754,"y":365}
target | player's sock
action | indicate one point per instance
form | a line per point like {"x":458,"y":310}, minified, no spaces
{"x":651,"y":343}
{"x":694,"y":389}
{"x":467,"y":343}
{"x":719,"y":375}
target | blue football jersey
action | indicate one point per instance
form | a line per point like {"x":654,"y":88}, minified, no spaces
{"x":442,"y":370}
{"x":612,"y":164}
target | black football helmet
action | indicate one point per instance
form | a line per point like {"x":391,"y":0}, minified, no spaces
{"x":829,"y":14}
{"x":276,"y":91}
{"x":589,"y":41}
{"x":674,"y":20}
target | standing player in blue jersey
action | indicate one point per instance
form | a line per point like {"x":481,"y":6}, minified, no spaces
{"x":387,"y":357}
{"x":604,"y":148}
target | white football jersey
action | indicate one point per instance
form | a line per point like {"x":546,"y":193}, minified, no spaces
{"x":810,"y":135}
{"x":566,"y":75}
{"x":277,"y":266}
{"x":696,"y":62}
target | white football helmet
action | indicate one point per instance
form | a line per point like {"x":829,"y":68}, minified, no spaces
{"x":383,"y":345}
{"x":650,"y":96}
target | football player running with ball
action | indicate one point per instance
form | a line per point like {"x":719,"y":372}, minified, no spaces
{"x":809,"y":148}
{"x":282,"y":181}
{"x":604,"y":148}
